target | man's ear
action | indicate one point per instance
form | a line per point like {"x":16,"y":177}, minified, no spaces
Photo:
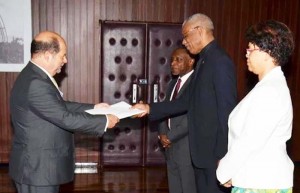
{"x":192,"y":61}
{"x":47,"y":56}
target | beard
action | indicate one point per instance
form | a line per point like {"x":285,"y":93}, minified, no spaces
{"x":58,"y":70}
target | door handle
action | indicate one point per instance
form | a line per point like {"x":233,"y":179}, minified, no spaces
{"x":134,"y":93}
{"x":155,"y":92}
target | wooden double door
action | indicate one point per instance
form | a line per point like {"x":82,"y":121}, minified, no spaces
{"x":135,"y":66}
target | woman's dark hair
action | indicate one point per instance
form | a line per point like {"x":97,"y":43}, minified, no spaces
{"x":274,"y":38}
{"x":43,"y":46}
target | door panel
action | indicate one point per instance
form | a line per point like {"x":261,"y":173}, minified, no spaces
{"x":162,"y":40}
{"x":135,"y":66}
{"x":123,"y":62}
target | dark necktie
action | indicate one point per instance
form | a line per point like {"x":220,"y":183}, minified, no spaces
{"x":177,"y":86}
{"x":176,"y":89}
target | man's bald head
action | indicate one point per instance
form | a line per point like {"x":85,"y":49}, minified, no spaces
{"x":46,"y":41}
{"x":49,"y":51}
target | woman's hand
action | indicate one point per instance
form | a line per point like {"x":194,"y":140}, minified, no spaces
{"x":227,"y":184}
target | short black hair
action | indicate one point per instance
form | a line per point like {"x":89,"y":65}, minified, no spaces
{"x":185,"y":50}
{"x":43,"y":46}
{"x":274,"y":38}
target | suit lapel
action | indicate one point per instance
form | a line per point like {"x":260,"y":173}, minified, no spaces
{"x":170,"y":88}
{"x":184,"y":86}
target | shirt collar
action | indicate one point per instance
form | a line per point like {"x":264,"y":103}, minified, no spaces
{"x":207,"y":47}
{"x":43,"y":69}
{"x":51,"y":77}
{"x":275,"y":72}
{"x":186,"y":76}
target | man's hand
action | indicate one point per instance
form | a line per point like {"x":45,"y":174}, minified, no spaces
{"x":112,"y":121}
{"x":101,"y":105}
{"x":166,"y":143}
{"x":141,"y":106}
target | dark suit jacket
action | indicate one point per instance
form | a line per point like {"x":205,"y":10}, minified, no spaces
{"x":210,"y":98}
{"x":43,"y":145}
{"x":178,"y":134}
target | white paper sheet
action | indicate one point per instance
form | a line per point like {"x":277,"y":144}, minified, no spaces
{"x":120,"y":109}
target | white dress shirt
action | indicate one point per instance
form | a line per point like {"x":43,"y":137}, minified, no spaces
{"x":259,"y":127}
{"x":183,"y":80}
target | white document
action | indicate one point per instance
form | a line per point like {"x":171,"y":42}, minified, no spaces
{"x":120,"y":109}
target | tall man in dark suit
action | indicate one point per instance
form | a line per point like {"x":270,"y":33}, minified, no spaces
{"x":173,"y":133}
{"x":211,"y":96}
{"x":42,"y":155}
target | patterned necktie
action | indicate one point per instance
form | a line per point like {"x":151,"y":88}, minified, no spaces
{"x":176,"y":89}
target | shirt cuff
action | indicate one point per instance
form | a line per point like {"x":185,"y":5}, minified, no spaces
{"x":106,"y":124}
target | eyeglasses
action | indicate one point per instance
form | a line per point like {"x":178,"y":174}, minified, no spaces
{"x":249,"y":51}
{"x":186,"y":34}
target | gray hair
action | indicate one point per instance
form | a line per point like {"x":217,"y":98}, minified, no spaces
{"x":201,"y":20}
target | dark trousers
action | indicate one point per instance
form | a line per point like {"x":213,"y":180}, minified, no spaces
{"x":25,"y":188}
{"x":207,"y":182}
{"x":181,"y":178}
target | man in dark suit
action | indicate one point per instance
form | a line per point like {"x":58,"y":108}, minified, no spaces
{"x":208,"y":101}
{"x":42,"y":155}
{"x":173,"y":133}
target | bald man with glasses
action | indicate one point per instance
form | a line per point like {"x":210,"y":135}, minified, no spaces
{"x":211,"y":96}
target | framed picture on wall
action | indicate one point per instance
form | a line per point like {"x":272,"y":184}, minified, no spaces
{"x":15,"y":34}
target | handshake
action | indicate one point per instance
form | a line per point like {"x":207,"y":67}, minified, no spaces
{"x":120,"y":110}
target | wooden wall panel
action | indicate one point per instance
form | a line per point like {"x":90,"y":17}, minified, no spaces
{"x":294,"y":79}
{"x":3,"y":121}
{"x":6,"y":82}
{"x":78,"y":22}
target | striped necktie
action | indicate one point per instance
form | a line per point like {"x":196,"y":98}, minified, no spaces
{"x":176,"y":89}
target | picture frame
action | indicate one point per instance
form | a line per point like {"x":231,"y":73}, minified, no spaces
{"x":15,"y":34}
